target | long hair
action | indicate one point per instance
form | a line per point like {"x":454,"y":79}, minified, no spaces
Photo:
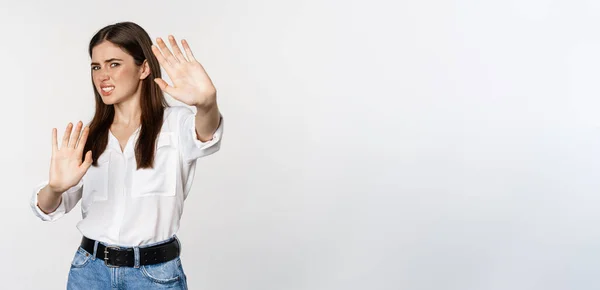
{"x":134,"y":40}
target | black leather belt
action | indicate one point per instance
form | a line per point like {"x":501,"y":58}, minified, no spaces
{"x":124,"y":257}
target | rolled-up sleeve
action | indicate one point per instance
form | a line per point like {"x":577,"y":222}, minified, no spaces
{"x":192,"y":148}
{"x":68,"y":202}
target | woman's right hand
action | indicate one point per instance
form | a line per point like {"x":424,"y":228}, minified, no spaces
{"x":66,"y":168}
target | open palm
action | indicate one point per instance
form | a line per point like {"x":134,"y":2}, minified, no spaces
{"x":191,"y":83}
{"x":66,"y":166}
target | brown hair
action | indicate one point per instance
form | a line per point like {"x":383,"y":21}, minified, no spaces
{"x":134,"y":40}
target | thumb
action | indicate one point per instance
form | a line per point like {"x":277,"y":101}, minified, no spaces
{"x":164,"y":86}
{"x":87,"y":162}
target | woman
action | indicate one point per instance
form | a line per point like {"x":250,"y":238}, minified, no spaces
{"x":139,"y":167}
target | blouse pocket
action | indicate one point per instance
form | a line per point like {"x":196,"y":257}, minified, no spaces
{"x":162,"y":179}
{"x":95,"y":184}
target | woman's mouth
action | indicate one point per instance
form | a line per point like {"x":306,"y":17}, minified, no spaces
{"x":107,"y":90}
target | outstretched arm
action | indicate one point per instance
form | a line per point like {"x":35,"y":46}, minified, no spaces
{"x":191,"y":85}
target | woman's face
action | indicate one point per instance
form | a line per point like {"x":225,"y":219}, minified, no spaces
{"x":115,"y":75}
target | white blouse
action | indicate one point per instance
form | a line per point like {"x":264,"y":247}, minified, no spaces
{"x":127,"y":207}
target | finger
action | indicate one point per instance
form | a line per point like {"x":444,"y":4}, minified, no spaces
{"x":166,"y":52}
{"x":75,"y":137}
{"x":54,"y":141}
{"x":188,"y":51}
{"x":83,"y":139}
{"x":87,"y":162}
{"x":65,"y":139}
{"x":164,"y":86}
{"x":180,"y":57}
{"x":159,"y":56}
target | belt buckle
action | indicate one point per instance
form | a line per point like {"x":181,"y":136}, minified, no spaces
{"x":106,"y":256}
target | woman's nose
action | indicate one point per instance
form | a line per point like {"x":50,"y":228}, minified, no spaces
{"x":104,"y":76}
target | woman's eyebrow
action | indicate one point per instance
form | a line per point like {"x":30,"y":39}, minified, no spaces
{"x":108,"y":60}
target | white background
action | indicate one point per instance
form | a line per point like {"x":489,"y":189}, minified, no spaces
{"x":368,"y":144}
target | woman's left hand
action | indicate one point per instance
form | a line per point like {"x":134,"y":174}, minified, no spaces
{"x":191,"y":83}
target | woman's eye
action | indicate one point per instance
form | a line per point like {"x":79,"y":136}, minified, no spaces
{"x":114,"y":64}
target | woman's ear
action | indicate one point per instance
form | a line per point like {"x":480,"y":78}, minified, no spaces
{"x":145,"y":70}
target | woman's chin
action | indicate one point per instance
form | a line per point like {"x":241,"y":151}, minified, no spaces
{"x":109,"y":100}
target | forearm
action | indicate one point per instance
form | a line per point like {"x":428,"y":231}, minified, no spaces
{"x":207,"y":121}
{"x":48,"y":200}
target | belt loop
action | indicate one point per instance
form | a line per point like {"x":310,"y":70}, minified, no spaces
{"x":95,"y":250}
{"x":136,"y":255}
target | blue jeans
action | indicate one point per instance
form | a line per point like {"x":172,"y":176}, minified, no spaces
{"x":90,"y":273}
